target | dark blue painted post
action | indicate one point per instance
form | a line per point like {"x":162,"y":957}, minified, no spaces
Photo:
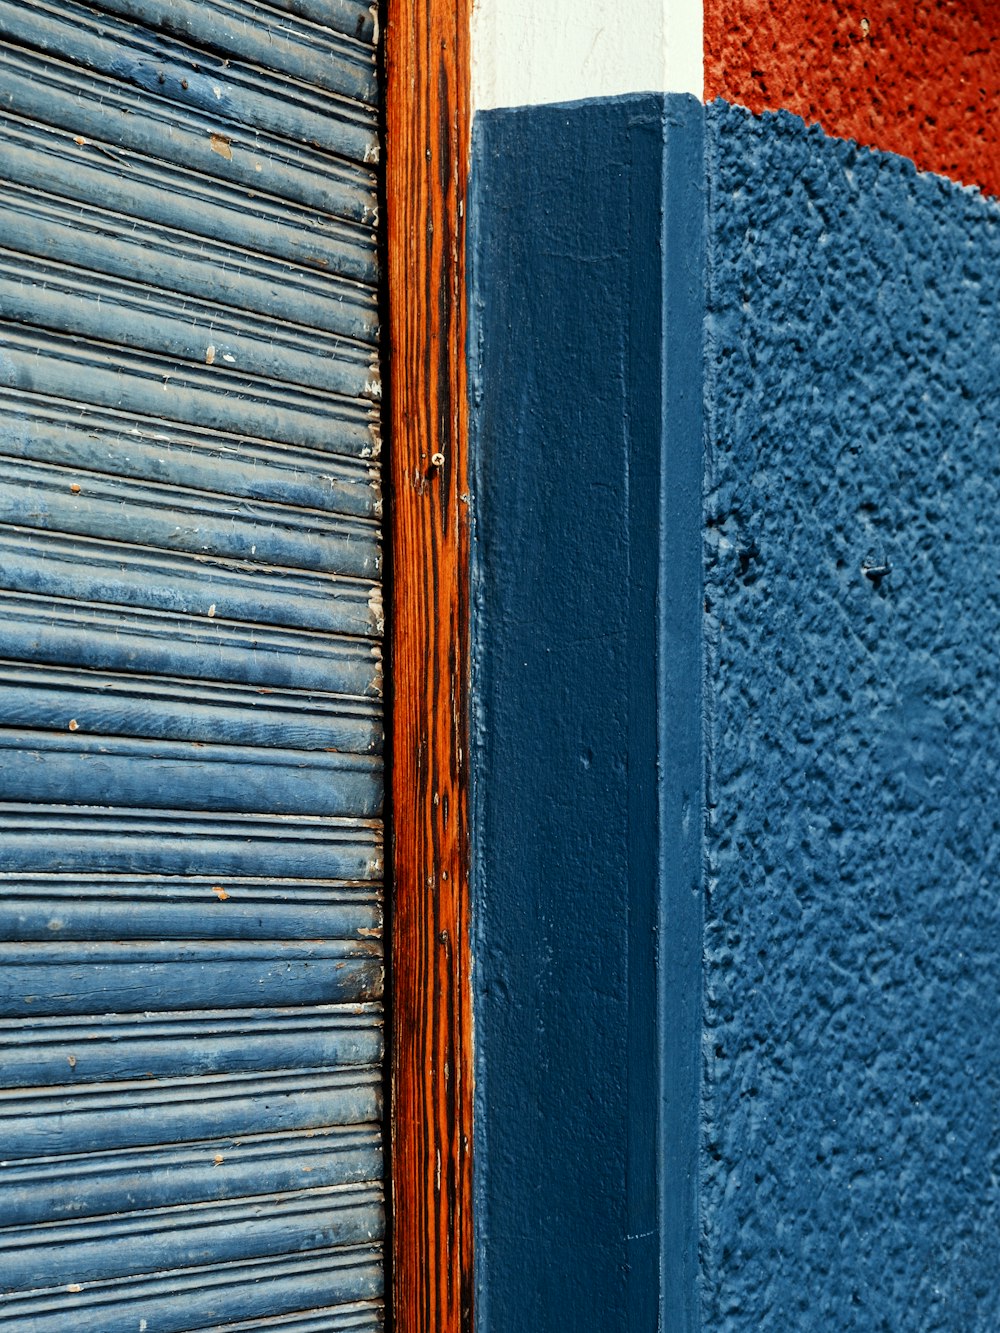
{"x":587,"y":445}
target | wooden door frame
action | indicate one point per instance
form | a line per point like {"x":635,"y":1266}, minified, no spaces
{"x":427,"y":133}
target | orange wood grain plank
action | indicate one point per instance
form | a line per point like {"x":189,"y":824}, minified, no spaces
{"x":427,"y":151}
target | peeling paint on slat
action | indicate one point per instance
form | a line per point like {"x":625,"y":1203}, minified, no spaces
{"x":101,"y":440}
{"x":44,"y":838}
{"x":102,"y":115}
{"x":343,"y":1274}
{"x":85,"y":1185}
{"x":43,"y":157}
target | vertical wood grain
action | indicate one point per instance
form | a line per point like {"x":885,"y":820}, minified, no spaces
{"x":427,"y":146}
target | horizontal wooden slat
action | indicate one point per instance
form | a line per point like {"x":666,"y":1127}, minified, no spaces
{"x":100,"y":703}
{"x":46,"y":158}
{"x":277,"y":70}
{"x":196,"y":1298}
{"x":80,"y":907}
{"x":214,"y":277}
{"x":197,"y":1233}
{"x":53,"y":630}
{"x":71,"y":500}
{"x":363,"y":1317}
{"x":51,"y":430}
{"x":74,"y":301}
{"x":90,"y":570}
{"x":271,"y":34}
{"x":43,"y":838}
{"x":95,"y":1048}
{"x":359,"y":17}
{"x":147,"y":1112}
{"x":90,"y":1184}
{"x":134,"y":772}
{"x":217,"y":397}
{"x":99,"y":978}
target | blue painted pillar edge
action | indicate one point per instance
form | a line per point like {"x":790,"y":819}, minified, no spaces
{"x":682,"y":733}
{"x":586,"y":266}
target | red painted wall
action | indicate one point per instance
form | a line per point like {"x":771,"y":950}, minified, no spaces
{"x":917,"y":77}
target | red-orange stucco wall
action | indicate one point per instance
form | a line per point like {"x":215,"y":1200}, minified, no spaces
{"x":917,"y":77}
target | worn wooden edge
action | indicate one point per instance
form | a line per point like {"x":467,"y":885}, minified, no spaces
{"x":427,"y":133}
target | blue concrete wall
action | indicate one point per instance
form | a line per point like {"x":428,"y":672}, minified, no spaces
{"x":852,"y":1090}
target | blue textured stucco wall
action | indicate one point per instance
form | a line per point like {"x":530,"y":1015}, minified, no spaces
{"x":852,"y":965}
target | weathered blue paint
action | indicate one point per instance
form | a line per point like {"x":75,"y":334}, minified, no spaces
{"x":79,"y":907}
{"x":95,"y":570}
{"x":77,"y":840}
{"x":42,"y":1123}
{"x":184,"y":78}
{"x":106,"y":116}
{"x":127,"y":313}
{"x":213,"y":272}
{"x":341,"y":1276}
{"x":40,"y":980}
{"x":36,"y":627}
{"x":103,"y":703}
{"x":853,"y":922}
{"x":359,"y":1317}
{"x":68,"y":1186}
{"x":107,"y":1047}
{"x":191,"y":1027}
{"x":93,"y":440}
{"x":44,"y":766}
{"x":74,"y":500}
{"x":219,"y":397}
{"x":292,"y":46}
{"x":186,"y":198}
{"x":587,"y":457}
{"x":188,"y":1235}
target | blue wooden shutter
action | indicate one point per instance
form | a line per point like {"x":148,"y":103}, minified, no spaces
{"x":190,"y":626}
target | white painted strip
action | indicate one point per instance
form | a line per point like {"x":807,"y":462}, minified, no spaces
{"x":527,"y":53}
{"x":684,"y":47}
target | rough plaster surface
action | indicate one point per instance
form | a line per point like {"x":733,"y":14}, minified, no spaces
{"x":852,"y":1073}
{"x":918,"y":77}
